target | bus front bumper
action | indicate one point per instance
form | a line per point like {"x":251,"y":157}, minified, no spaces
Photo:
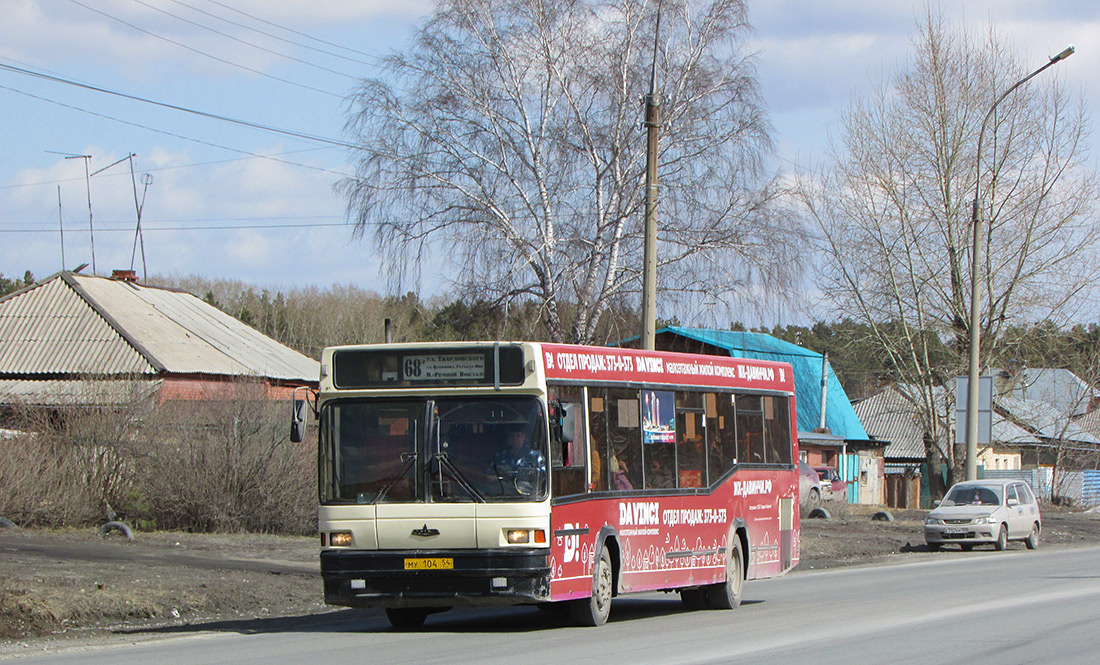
{"x":439,"y":578}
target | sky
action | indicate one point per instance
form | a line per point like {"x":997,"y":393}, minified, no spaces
{"x":223,"y":200}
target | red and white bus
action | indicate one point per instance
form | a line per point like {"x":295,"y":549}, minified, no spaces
{"x":530,"y":473}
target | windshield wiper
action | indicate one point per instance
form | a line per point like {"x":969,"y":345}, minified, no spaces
{"x":407,"y":459}
{"x":453,"y":471}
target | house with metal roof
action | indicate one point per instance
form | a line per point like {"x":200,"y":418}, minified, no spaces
{"x":841,"y":442}
{"x":74,"y":338}
{"x":892,"y":415}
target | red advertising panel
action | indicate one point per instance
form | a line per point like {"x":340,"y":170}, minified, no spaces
{"x":676,"y":541}
{"x":587,"y":363}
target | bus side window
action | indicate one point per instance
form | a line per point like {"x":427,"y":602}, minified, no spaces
{"x":777,"y":424}
{"x":691,"y":433}
{"x":598,"y":473}
{"x":624,"y":439}
{"x":721,"y":434}
{"x":568,"y":440}
{"x":750,"y":429}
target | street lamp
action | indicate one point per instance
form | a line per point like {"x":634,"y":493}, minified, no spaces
{"x":975,"y":288}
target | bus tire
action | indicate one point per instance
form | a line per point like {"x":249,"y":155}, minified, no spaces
{"x":727,"y":595}
{"x":407,"y":617}
{"x":693,"y":599}
{"x":594,"y":610}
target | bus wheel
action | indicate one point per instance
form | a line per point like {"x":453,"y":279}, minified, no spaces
{"x":593,"y":611}
{"x":727,"y":595}
{"x":407,"y":617}
{"x":694,"y":599}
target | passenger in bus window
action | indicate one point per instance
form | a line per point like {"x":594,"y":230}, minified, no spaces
{"x":619,"y":480}
{"x":596,"y":480}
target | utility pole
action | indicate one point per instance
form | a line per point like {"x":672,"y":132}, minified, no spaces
{"x":653,"y":102}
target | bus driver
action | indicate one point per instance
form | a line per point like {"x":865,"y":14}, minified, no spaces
{"x":517,"y":466}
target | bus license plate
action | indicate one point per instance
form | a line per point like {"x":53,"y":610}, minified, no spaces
{"x":429,"y":564}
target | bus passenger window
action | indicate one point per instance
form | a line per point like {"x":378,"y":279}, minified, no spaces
{"x":568,"y":441}
{"x":597,"y":476}
{"x":691,"y":444}
{"x":624,"y":439}
{"x":721,"y":434}
{"x":750,"y":429}
{"x":777,"y":423}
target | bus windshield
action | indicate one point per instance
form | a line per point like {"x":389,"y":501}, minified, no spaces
{"x":469,"y":449}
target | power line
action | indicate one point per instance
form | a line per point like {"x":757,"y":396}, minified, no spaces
{"x":183,"y":109}
{"x":246,"y":43}
{"x":156,"y":169}
{"x":167,"y":133}
{"x":170,"y":220}
{"x":221,"y":227}
{"x":205,"y":54}
{"x":293,"y":32}
{"x":277,"y":37}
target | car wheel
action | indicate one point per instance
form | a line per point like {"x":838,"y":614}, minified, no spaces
{"x":1032,"y":541}
{"x":813,"y":496}
{"x":594,"y":610}
{"x":1002,"y":539}
{"x":727,"y":595}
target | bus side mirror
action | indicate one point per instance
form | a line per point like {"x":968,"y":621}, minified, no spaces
{"x":568,"y":422}
{"x":561,"y":421}
{"x":297,"y":420}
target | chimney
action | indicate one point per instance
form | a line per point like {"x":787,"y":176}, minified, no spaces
{"x":125,"y":276}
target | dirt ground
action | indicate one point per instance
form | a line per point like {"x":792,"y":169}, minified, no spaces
{"x":58,"y":585}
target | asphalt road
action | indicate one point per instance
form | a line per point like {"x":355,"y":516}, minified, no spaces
{"x":988,"y":607}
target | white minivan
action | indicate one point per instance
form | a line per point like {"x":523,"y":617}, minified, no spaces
{"x":982,"y":512}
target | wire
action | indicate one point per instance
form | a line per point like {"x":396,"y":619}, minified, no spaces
{"x":184,"y":109}
{"x":293,"y":32}
{"x":157,"y":169}
{"x":264,"y":218}
{"x":167,"y":133}
{"x":204,"y":54}
{"x":246,"y":43}
{"x":146,"y":226}
{"x":376,"y":59}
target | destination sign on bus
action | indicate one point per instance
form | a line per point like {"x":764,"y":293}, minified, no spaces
{"x":387,"y":367}
{"x":444,"y":367}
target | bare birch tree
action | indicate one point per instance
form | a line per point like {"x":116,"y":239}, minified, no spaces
{"x":894,"y":209}
{"x":507,"y":138}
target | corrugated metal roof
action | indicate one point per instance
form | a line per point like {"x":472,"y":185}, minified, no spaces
{"x":81,"y":324}
{"x":1047,"y":421}
{"x":1060,"y":388}
{"x":839,"y":416}
{"x":50,"y":329}
{"x":889,"y":415}
{"x":187,"y":335}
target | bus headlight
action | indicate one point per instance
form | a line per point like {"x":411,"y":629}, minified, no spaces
{"x":340,"y":539}
{"x":517,"y":536}
{"x":524,"y":536}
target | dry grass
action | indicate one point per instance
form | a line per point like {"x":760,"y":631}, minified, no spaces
{"x":216,"y":465}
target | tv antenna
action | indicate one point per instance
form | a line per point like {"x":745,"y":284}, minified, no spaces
{"x":88,"y":184}
{"x":146,"y":180}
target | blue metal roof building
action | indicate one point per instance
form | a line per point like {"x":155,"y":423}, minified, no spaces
{"x":840,"y":417}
